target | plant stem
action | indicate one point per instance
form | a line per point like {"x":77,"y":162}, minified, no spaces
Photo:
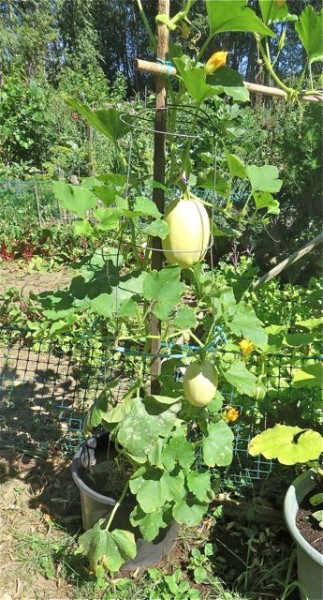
{"x":148,"y":29}
{"x":206,"y":43}
{"x":186,"y":151}
{"x":117,"y":504}
{"x":244,"y":210}
{"x":196,"y":339}
{"x":271,"y":70}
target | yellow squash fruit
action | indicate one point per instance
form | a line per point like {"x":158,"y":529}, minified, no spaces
{"x":200,"y":383}
{"x":189,"y":232}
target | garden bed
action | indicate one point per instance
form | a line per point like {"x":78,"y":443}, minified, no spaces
{"x":20,"y":276}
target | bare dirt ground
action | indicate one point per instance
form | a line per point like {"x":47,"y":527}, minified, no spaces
{"x":39,"y":504}
{"x":14,"y":274}
{"x":29,"y":537}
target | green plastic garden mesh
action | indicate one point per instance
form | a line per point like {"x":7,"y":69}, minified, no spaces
{"x":45,"y":387}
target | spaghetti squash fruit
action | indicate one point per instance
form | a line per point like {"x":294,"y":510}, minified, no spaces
{"x":189,"y":232}
{"x":200,"y":383}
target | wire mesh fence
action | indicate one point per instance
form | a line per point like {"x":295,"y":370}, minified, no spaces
{"x":25,"y":202}
{"x":46,"y":389}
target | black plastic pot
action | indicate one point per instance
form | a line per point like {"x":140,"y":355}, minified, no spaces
{"x":95,"y":506}
{"x":309,"y":560}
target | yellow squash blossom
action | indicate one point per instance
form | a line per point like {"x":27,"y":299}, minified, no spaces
{"x":246,"y":347}
{"x":218,"y":59}
{"x":231,"y":414}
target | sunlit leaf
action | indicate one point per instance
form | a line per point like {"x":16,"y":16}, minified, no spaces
{"x":165,"y":288}
{"x":217,"y":445}
{"x":246,"y":324}
{"x":148,"y":523}
{"x":145,"y":423}
{"x":185,"y":318}
{"x":239,"y":377}
{"x":108,"y":549}
{"x":237,"y":168}
{"x":74,"y":198}
{"x":106,"y":121}
{"x":271,"y":10}
{"x":178,"y":450}
{"x":289,"y":445}
{"x":231,"y":83}
{"x":266,"y":200}
{"x":310,"y":375}
{"x":154,"y":487}
{"x":264,"y":179}
{"x":234,"y":15}
{"x":309,"y":29}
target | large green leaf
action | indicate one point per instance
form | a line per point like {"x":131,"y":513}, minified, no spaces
{"x":199,"y":483}
{"x":298,"y":339}
{"x":148,"y":523}
{"x":237,"y":168}
{"x":145,"y":206}
{"x":106,"y":121}
{"x":234,"y":15}
{"x":246,"y":324}
{"x":310,"y":375}
{"x":157,"y":228}
{"x":200,"y":87}
{"x":185,"y":318}
{"x":194,"y":79}
{"x":118,"y":298}
{"x":272,"y":11}
{"x":189,"y":512}
{"x":165,"y":288}
{"x":74,"y":198}
{"x":108,"y":218}
{"x":104,"y":304}
{"x":178,"y":450}
{"x":290,"y":445}
{"x":217,"y":445}
{"x":154,"y":487}
{"x":240,"y":378}
{"x":107,"y":549}
{"x":266,"y":200}
{"x":309,"y":29}
{"x":224,"y":304}
{"x":264,"y":179}
{"x":231,"y":83}
{"x":140,"y":429}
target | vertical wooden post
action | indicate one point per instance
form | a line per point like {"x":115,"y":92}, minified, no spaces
{"x":159,"y":175}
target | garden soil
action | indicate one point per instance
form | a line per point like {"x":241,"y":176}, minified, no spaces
{"x":16,"y":275}
{"x":29,"y":536}
{"x":39,"y":504}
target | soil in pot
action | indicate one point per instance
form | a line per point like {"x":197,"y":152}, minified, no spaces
{"x":308,"y":526}
{"x":103,"y":470}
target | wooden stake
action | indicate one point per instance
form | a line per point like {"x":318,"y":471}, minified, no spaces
{"x":159,"y":175}
{"x":255,"y":88}
{"x":293,"y":258}
{"x":278,"y":93}
{"x":155,"y":68}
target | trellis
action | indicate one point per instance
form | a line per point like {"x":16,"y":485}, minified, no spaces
{"x":162,"y":70}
